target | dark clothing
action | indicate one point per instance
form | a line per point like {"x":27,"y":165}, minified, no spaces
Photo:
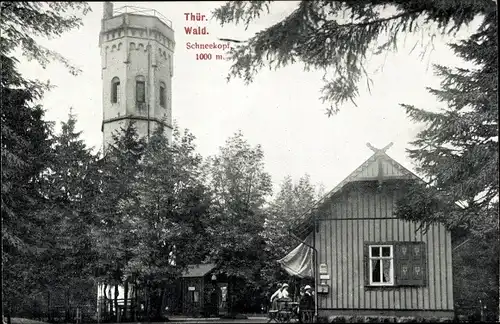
{"x":306,"y":307}
{"x":306,"y":302}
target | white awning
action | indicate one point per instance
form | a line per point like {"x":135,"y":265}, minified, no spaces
{"x":299,"y":262}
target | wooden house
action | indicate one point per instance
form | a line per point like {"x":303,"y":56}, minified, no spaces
{"x":203,"y":292}
{"x":367,"y":262}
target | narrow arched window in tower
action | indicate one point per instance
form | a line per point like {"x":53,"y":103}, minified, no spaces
{"x":163,"y":95}
{"x":140,"y":89}
{"x":115,"y":90}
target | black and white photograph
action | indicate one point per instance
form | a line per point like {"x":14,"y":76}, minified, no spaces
{"x":250,"y":161}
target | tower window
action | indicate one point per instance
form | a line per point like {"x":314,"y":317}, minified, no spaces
{"x":140,"y":89}
{"x":115,"y":90}
{"x":163,"y":95}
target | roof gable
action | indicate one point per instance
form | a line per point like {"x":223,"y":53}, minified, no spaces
{"x":378,"y":167}
{"x":198,"y":270}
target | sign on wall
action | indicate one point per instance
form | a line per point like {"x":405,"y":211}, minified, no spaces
{"x":191,"y":288}
{"x":323,"y":269}
{"x":323,"y":289}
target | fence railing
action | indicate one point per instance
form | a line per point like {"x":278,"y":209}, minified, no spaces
{"x":64,"y":314}
{"x":135,"y":310}
{"x":143,"y":11}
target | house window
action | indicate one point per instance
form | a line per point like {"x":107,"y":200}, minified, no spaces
{"x":115,"y":90}
{"x":162,"y":95}
{"x":381,"y":265}
{"x":140,"y":89}
{"x":395,"y":264}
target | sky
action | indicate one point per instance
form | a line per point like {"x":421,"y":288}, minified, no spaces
{"x":280,"y":110}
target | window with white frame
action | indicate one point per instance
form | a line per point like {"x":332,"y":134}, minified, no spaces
{"x":381,"y":265}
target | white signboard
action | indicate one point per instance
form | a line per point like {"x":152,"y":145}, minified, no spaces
{"x":324,"y":277}
{"x":323,"y":269}
{"x":191,"y":288}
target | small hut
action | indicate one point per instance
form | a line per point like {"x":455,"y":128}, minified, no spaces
{"x":204,"y":293}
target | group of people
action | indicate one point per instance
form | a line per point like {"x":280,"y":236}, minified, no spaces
{"x":306,"y":301}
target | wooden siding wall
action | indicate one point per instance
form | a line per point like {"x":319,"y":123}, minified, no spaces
{"x":366,"y":215}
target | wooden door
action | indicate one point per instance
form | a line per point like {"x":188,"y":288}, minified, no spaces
{"x":192,"y":296}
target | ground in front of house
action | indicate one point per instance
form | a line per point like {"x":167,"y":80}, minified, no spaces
{"x":172,"y":319}
{"x":175,"y":319}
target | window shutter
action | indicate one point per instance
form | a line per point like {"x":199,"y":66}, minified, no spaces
{"x":401,"y":263}
{"x":410,"y":263}
{"x":366,"y":260}
{"x":419,"y":269}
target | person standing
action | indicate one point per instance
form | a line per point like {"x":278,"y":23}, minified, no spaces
{"x":306,"y":306}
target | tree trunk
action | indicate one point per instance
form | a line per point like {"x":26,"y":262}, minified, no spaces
{"x":159,"y":303}
{"x":106,"y":308}
{"x":146,"y":307}
{"x":136,"y":301}
{"x":49,"y":318}
{"x":116,"y":304}
{"x":125,"y":300}
{"x":231,"y":296}
{"x":8,"y":313}
{"x":164,"y":299}
{"x":67,"y":307}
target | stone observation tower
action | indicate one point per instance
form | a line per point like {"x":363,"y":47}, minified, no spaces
{"x":137,"y":47}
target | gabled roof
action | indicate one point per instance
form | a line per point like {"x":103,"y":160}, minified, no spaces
{"x":378,"y":167}
{"x":198,"y":270}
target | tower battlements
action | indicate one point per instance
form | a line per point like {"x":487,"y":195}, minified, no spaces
{"x":137,"y":47}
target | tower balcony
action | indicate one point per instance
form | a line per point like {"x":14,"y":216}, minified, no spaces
{"x":142,"y":11}
{"x":140,"y":18}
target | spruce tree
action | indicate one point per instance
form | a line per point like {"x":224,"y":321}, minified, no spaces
{"x":339,"y":38}
{"x":71,"y":186}
{"x":168,"y":215}
{"x":26,"y":145}
{"x":119,"y":169}
{"x":291,"y":202}
{"x":26,"y":153}
{"x":457,"y":153}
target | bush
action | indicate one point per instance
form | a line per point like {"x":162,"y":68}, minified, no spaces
{"x":323,"y":320}
{"x":407,"y":319}
{"x":336,"y":319}
{"x":385,"y":319}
